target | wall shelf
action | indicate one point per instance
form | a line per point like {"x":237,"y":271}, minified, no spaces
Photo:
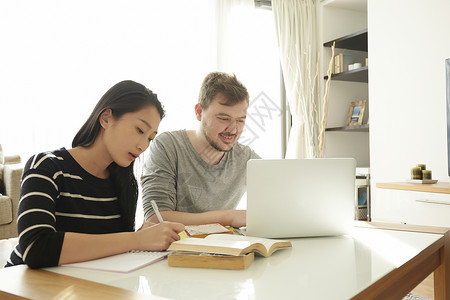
{"x":356,"y":128}
{"x":355,"y":41}
{"x":357,"y":75}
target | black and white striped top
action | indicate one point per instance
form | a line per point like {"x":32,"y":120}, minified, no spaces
{"x":57,"y":195}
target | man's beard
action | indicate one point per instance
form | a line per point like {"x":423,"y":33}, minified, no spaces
{"x":214,"y":144}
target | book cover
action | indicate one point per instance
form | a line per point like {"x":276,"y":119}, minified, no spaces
{"x":209,"y":260}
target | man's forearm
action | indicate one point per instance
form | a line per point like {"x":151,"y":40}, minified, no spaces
{"x":235,"y":218}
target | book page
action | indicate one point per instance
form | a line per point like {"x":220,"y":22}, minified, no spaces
{"x":123,"y":263}
{"x":221,"y":246}
{"x":267,"y":243}
{"x":225,"y":243}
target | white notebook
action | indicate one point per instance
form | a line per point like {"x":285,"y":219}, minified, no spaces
{"x":123,"y":263}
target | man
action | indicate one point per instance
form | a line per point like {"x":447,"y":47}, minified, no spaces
{"x":199,"y":176}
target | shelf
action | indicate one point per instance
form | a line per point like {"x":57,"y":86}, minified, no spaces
{"x":357,"y":75}
{"x":357,"y":128}
{"x":355,"y":41}
{"x":440,"y":187}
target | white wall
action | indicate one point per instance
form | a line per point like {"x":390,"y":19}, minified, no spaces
{"x":408,"y":43}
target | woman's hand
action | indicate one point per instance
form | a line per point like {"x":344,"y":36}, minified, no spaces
{"x":146,"y":224}
{"x":157,"y":237}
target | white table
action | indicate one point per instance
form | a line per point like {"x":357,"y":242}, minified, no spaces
{"x":370,"y":262}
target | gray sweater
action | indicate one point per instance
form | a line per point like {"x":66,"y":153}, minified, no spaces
{"x":178,"y":179}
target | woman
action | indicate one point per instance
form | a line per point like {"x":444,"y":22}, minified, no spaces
{"x":80,"y":204}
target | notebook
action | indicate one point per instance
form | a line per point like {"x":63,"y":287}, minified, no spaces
{"x":300,"y":197}
{"x":122,"y":263}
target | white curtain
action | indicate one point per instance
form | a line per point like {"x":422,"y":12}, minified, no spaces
{"x":230,"y":17}
{"x":296,"y":28}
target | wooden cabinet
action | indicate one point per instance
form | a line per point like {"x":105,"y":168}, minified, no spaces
{"x":411,"y":203}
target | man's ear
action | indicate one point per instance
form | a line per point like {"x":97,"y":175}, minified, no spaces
{"x":106,"y":118}
{"x":198,"y":111}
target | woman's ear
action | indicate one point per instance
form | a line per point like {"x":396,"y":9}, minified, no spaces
{"x":106,"y":118}
{"x":198,"y":111}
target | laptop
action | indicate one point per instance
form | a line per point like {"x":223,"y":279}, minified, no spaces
{"x":300,"y":197}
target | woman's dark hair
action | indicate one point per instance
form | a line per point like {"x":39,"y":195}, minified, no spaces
{"x":124,"y":97}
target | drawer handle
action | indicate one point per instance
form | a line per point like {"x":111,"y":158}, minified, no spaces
{"x":432,"y":201}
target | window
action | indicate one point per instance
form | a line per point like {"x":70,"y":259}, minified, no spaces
{"x":58,"y":58}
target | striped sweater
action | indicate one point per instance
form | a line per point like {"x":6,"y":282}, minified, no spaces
{"x":57,"y":195}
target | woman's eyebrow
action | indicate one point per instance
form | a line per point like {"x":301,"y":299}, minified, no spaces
{"x":146,"y":123}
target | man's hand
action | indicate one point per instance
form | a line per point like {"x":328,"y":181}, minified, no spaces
{"x":238,"y":218}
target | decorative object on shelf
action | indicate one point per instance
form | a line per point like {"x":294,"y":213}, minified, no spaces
{"x":416,"y":173}
{"x":323,"y":112}
{"x":426,"y":174}
{"x":354,"y":66}
{"x":356,"y":113}
{"x":420,"y":174}
{"x":422,"y":166}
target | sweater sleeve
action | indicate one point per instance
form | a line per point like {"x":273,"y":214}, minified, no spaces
{"x":159,"y":176}
{"x":39,"y":242}
{"x":254,"y":155}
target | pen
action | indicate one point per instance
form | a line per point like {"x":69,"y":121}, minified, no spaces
{"x":156,"y":210}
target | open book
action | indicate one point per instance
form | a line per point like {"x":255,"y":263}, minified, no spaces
{"x":123,"y":263}
{"x":230,"y":245}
